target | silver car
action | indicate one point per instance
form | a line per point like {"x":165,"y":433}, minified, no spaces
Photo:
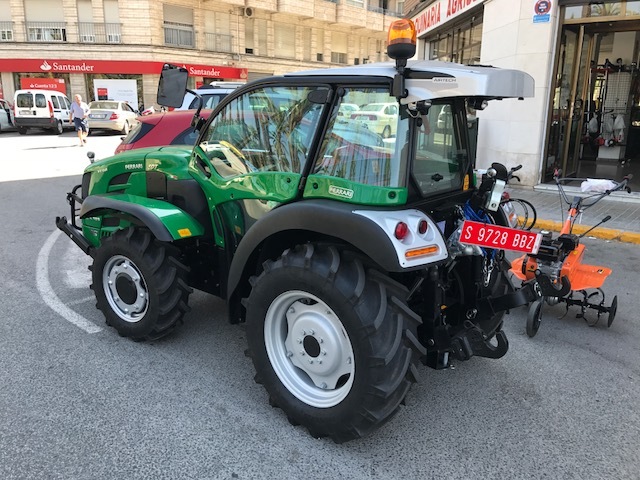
{"x":112,"y":115}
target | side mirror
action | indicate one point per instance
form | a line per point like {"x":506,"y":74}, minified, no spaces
{"x":172,"y":85}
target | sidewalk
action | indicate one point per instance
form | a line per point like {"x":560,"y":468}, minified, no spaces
{"x":623,"y":207}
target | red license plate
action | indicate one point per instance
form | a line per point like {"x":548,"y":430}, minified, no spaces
{"x":503,"y":238}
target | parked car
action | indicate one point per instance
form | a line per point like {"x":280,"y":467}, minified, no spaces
{"x":167,"y":128}
{"x":7,"y":122}
{"x":345,"y":111}
{"x":37,"y":108}
{"x":444,"y":118}
{"x":382,"y":118}
{"x":112,"y":115}
{"x":211,"y":95}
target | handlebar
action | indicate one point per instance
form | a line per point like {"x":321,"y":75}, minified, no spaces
{"x":510,"y":175}
{"x":595,"y":196}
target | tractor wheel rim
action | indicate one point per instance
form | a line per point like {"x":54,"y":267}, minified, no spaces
{"x":309,"y":349}
{"x":125,"y":289}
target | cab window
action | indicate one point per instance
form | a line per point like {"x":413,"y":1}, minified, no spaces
{"x":440,"y":159}
{"x":361,"y":146}
{"x":265,"y":130}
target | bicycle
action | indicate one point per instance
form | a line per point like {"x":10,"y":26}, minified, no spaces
{"x":558,"y":263}
{"x":517,"y":212}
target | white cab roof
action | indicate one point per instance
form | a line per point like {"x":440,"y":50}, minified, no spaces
{"x":447,"y":79}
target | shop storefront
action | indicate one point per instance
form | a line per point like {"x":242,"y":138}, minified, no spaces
{"x":585,"y":117}
{"x":135,"y":82}
{"x":594,"y":128}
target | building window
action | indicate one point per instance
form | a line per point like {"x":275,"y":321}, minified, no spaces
{"x":255,"y":36}
{"x":6,"y":31}
{"x":178,"y":26}
{"x":284,"y":37}
{"x":338,"y":47}
{"x":218,"y":37}
{"x":460,"y":43}
{"x":319,"y":45}
{"x":602,"y":9}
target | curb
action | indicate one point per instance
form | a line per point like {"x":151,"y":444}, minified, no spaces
{"x":603,"y":233}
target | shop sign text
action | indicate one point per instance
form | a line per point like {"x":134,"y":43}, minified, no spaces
{"x":440,"y":12}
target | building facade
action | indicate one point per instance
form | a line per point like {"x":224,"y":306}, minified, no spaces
{"x":80,"y":46}
{"x":585,"y":117}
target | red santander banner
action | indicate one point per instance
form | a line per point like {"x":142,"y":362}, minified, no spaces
{"x":114,"y":66}
{"x":44,"y":84}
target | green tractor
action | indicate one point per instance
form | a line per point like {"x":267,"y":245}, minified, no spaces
{"x":339,"y":247}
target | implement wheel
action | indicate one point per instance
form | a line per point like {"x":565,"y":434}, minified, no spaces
{"x":534,"y":317}
{"x":612,"y":311}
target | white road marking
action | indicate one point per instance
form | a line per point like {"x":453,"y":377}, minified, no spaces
{"x":78,"y":275}
{"x":81,"y":301}
{"x":49,"y":296}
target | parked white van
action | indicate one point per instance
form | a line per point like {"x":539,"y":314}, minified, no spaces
{"x":46,"y":109}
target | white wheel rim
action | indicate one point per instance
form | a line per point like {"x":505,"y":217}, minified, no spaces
{"x":125,"y":289}
{"x":309,"y":349}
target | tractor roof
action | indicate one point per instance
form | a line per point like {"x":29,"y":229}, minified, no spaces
{"x":433,"y":79}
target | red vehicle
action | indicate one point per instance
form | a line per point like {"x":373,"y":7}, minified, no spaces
{"x":167,"y":128}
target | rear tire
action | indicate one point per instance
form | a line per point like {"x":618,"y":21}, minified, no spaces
{"x":125,"y":129}
{"x":139,"y":284}
{"x":22,"y":130}
{"x":386,"y":133}
{"x":334,"y":344}
{"x":57,"y":128}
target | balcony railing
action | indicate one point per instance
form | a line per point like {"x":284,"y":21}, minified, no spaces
{"x":46,"y":31}
{"x":218,"y":42}
{"x":89,"y":32}
{"x":177,"y":35}
{"x":6,"y":32}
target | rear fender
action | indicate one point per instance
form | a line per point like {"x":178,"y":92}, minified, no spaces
{"x":166,"y":221}
{"x":353,"y":224}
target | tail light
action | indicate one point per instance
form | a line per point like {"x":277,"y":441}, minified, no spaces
{"x":50,"y":108}
{"x":114,"y":116}
{"x":422,"y":227}
{"x":401,"y":230}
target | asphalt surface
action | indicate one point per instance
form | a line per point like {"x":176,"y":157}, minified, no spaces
{"x":79,"y":402}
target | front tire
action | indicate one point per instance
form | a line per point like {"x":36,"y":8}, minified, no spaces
{"x":334,"y":344}
{"x":22,"y":130}
{"x":139,"y":284}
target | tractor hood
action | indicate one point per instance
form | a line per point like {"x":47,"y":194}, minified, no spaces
{"x":426,"y":80}
{"x":138,"y":159}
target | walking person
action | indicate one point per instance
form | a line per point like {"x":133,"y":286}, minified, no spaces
{"x":78,"y":115}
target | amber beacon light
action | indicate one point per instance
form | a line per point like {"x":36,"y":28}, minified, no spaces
{"x":401,"y":41}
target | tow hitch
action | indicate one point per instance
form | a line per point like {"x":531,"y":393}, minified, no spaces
{"x":71,"y":229}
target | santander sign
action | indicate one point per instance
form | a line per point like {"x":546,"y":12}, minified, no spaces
{"x":440,"y":12}
{"x":50,"y":65}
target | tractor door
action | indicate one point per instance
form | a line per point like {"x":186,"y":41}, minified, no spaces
{"x":250,"y":157}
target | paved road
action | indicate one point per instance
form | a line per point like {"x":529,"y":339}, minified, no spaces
{"x":79,"y":402}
